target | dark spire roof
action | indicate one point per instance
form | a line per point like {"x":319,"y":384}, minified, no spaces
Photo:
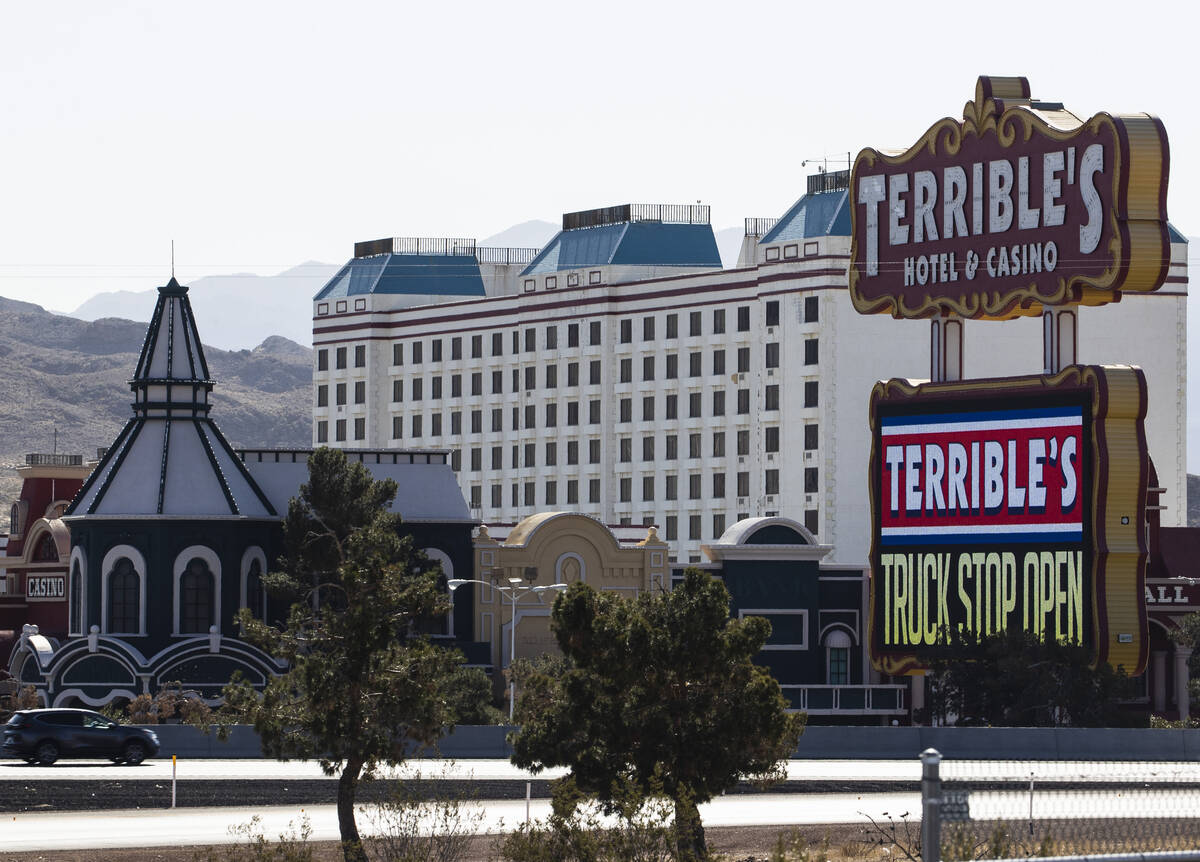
{"x":170,"y":458}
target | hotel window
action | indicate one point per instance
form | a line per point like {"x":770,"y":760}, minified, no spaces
{"x":647,"y":367}
{"x":672,"y":409}
{"x":124,"y":598}
{"x":435,"y":387}
{"x":718,"y":525}
{"x":718,"y":444}
{"x":810,"y":393}
{"x":594,"y":276}
{"x":322,"y":360}
{"x":456,"y":386}
{"x":530,"y":499}
{"x":647,"y":329}
{"x":476,"y":421}
{"x":196,"y":597}
{"x":672,"y":366}
{"x":718,"y":485}
{"x":718,"y":403}
{"x":694,"y":325}
{"x":672,"y":527}
{"x":530,"y":339}
{"x":416,"y":426}
{"x":551,"y":415}
{"x":837,"y":652}
{"x":772,"y":480}
{"x":516,"y":380}
{"x":772,"y":353}
{"x":497,"y":460}
{"x":743,"y":484}
{"x":476,"y":459}
{"x":626,"y":489}
{"x":398,"y":353}
{"x":771,"y":439}
{"x":551,"y":454}
{"x":771,"y":402}
{"x":626,"y":446}
{"x":530,"y":284}
{"x":743,"y":355}
{"x":497,"y":344}
{"x":572,"y":373}
{"x":530,"y":378}
{"x":694,"y":446}
{"x":626,"y":410}
{"x":694,"y":527}
{"x":416,"y":353}
{"x":551,"y":337}
{"x":497,"y":382}
{"x":341,"y":357}
{"x":322,"y":396}
{"x":694,"y":363}
{"x":551,"y":492}
{"x":497,"y":419}
{"x":693,"y":405}
{"x":672,"y":326}
{"x":743,"y":314}
{"x":647,"y":488}
{"x":593,"y":451}
{"x":339,"y":431}
{"x":530,"y":416}
{"x":476,"y":383}
{"x":476,"y":346}
{"x":648,"y":448}
{"x":810,"y":351}
{"x":515,"y":494}
{"x":718,"y":321}
{"x":743,"y":442}
{"x":456,"y":422}
{"x":572,"y":335}
{"x":339,"y":392}
{"x":718,"y":362}
{"x":811,"y":309}
{"x":648,"y":408}
{"x":455,"y":460}
{"x":810,"y":436}
{"x":594,"y":372}
{"x":626,"y":370}
{"x":772,"y":312}
{"x":593,"y":412}
{"x":593,"y":490}
{"x":497,"y":496}
{"x":322,"y":431}
{"x":572,"y":452}
{"x":516,"y":348}
{"x":572,"y":412}
{"x":672,"y":447}
{"x":397,"y":390}
{"x":360,"y":428}
{"x":743,"y":401}
{"x":551,"y":376}
{"x":476,"y":497}
{"x":626,"y":331}
{"x":397,"y":427}
{"x":530,"y":455}
{"x":594,"y":333}
{"x":360,"y":392}
{"x":360,"y":356}
{"x":671,"y":492}
{"x":572,"y":492}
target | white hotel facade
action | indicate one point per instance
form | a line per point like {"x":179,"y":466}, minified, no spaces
{"x":622,"y":373}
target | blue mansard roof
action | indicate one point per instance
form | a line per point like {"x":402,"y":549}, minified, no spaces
{"x":422,"y":274}
{"x":814,"y":215}
{"x":638,"y":243}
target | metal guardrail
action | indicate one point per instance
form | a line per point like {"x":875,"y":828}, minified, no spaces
{"x":664,"y":213}
{"x":846,"y":699}
{"x":444,"y":247}
{"x":44,"y":460}
{"x":760,"y":226}
{"x":506,"y":255}
{"x":831,"y":181}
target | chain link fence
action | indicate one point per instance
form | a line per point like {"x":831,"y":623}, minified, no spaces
{"x":974,"y":810}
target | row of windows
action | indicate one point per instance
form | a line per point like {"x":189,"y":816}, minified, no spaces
{"x":525,"y":493}
{"x":527,"y":339}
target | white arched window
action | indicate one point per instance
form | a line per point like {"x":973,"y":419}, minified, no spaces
{"x":837,"y":657}
{"x":123,"y":591}
{"x":197,"y":601}
{"x":254,"y":595}
{"x":77,"y":593}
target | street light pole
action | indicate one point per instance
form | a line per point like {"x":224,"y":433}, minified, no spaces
{"x":514,"y":592}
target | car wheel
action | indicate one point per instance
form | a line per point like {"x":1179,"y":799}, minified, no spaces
{"x":115,"y":759}
{"x":46,"y":753}
{"x":30,"y":760}
{"x":133,"y":753}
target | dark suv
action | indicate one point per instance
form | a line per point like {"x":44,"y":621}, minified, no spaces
{"x":44,"y":735}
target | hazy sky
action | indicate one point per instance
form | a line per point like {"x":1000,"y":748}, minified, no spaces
{"x":260,"y":135}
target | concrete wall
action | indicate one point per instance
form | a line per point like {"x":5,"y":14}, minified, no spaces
{"x":818,"y":743}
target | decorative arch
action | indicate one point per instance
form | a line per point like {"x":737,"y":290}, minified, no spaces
{"x":181,"y":568}
{"x":250,"y":591}
{"x":77,"y":592}
{"x":437,"y":555}
{"x":67,"y":695}
{"x":115,"y":583}
{"x":837,"y":642}
{"x":563,"y":568}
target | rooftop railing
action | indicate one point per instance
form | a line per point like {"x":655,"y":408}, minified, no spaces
{"x":44,"y":460}
{"x":664,"y":213}
{"x":832,"y":181}
{"x":506,"y":255}
{"x":760,"y":226}
{"x":444,"y":247}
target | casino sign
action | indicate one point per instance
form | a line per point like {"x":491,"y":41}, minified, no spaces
{"x":1009,"y":503}
{"x":1019,"y":206}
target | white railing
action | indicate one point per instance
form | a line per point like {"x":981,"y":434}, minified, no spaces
{"x":846,"y":699}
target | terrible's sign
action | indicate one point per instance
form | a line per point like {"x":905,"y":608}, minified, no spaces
{"x":1013,"y":503}
{"x":1019,"y":206}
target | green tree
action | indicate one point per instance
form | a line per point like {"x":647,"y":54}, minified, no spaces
{"x":1016,"y":679}
{"x":360,"y":686}
{"x":659,"y":695}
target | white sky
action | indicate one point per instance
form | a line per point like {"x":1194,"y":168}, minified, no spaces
{"x":260,"y":135}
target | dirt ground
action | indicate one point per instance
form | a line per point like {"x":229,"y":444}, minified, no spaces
{"x":737,"y":843}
